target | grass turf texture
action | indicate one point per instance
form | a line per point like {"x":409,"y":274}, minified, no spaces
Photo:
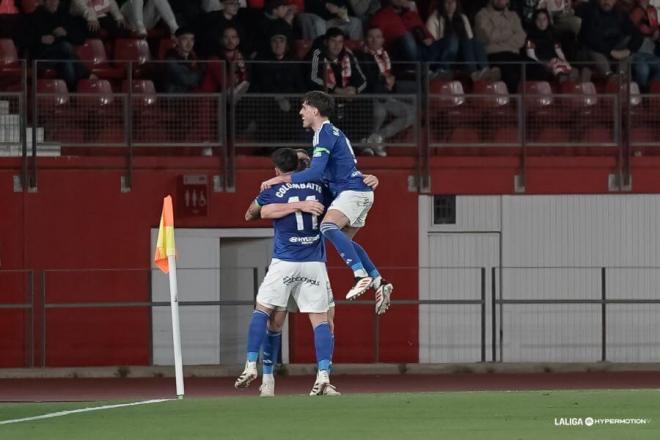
{"x":453,"y":415}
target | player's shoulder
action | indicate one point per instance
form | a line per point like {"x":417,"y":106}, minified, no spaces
{"x":329,"y":130}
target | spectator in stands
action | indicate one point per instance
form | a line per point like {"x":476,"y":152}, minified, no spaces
{"x":543,"y":46}
{"x":449,"y":25}
{"x":144,"y":15}
{"x":231,"y":53}
{"x":377,"y":67}
{"x":55,"y":34}
{"x":277,"y":16}
{"x":526,"y":9}
{"x":334,"y":68}
{"x":183,"y":73}
{"x":277,"y":72}
{"x":212,"y":25}
{"x":609,"y":36}
{"x":566,"y":25}
{"x":405,"y":35}
{"x":100,"y":15}
{"x":501,"y":33}
{"x":645,"y":17}
{"x":321,"y":15}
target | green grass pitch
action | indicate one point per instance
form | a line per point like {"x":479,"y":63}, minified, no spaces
{"x":453,"y":415}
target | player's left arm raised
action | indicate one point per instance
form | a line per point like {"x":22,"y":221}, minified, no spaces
{"x":312,"y":174}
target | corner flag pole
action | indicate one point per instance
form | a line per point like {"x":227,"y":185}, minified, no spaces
{"x":165,"y":259}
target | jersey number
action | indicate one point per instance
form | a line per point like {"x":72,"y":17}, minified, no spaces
{"x":299,"y":215}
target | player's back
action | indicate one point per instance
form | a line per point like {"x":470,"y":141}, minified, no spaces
{"x":341,"y":172}
{"x":297,"y":235}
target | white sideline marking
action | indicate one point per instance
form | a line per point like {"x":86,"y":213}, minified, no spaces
{"x":81,"y":410}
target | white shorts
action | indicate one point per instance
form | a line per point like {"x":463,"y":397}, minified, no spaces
{"x":307,"y":284}
{"x":354,"y":205}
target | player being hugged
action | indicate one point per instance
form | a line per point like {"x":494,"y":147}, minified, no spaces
{"x":334,"y":163}
{"x":297,"y":272}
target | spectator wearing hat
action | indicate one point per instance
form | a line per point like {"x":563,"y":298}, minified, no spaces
{"x":319,"y":16}
{"x":144,"y":15}
{"x":277,"y":72}
{"x":183,"y":73}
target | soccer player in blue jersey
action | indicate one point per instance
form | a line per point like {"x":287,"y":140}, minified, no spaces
{"x":334,"y":162}
{"x":297,"y":271}
{"x":273,"y":339}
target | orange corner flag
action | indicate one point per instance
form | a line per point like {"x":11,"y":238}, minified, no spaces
{"x":165,"y":245}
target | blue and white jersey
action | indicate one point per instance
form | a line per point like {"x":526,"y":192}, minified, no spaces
{"x":333,"y":161}
{"x":297,"y":236}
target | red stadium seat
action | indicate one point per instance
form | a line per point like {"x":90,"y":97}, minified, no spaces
{"x":93,"y":55}
{"x":135,"y":50}
{"x":11,"y":69}
{"x":99,"y":87}
{"x":132,"y":49}
{"x":539,"y":95}
{"x":498,"y":91}
{"x":447,"y":93}
{"x":144,"y":93}
{"x":586,"y":94}
{"x":52,"y":93}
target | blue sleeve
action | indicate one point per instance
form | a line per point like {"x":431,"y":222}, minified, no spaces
{"x":265,"y":197}
{"x":315,"y":171}
{"x":320,"y":158}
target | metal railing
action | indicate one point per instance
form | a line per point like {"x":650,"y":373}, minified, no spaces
{"x":138,"y":105}
{"x":462,"y":314}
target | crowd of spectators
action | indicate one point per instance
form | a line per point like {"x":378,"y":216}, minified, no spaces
{"x":355,"y":45}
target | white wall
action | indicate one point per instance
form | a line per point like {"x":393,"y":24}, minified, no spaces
{"x":552,"y":247}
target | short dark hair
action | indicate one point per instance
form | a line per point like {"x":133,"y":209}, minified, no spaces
{"x":323,"y":102}
{"x":285,"y":159}
{"x":303,"y":162}
{"x":334,"y":32}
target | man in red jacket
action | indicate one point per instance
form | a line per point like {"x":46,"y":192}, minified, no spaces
{"x":405,"y":35}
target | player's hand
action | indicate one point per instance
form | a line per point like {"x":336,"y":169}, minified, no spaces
{"x":271,"y":182}
{"x":371,"y":181}
{"x":311,"y":207}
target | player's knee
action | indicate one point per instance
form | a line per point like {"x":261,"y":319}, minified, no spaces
{"x":329,"y":228}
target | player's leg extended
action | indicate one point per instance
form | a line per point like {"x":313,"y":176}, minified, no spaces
{"x":331,"y":226}
{"x":256,"y":335}
{"x":323,"y":345}
{"x":383,"y":287}
{"x":271,"y":349}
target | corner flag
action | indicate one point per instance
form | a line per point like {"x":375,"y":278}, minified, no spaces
{"x":165,"y":259}
{"x":165,"y":245}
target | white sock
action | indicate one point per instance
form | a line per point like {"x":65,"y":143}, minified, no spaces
{"x":360,"y":273}
{"x":377,"y":281}
{"x":268,"y":378}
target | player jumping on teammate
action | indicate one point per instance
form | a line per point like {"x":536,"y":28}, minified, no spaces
{"x":297,"y":271}
{"x":334,"y":162}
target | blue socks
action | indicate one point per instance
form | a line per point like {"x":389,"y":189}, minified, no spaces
{"x":323,"y":345}
{"x":256,"y":334}
{"x":271,"y":350}
{"x":366,"y":261}
{"x":344,"y":247}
